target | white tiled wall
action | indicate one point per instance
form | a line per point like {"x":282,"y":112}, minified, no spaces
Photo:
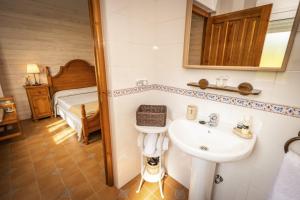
{"x":129,"y":27}
{"x":132,"y":28}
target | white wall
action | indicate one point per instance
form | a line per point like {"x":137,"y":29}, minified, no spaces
{"x":211,"y":4}
{"x":48,"y":33}
{"x":280,"y":10}
{"x":1,"y":92}
{"x":131,"y":29}
{"x":129,"y":37}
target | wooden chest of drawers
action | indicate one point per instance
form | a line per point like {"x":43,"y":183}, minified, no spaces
{"x":39,"y":100}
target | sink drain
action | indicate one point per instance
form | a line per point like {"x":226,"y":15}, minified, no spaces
{"x":204,"y":148}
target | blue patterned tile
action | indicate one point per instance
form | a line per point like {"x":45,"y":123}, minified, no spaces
{"x":197,"y":93}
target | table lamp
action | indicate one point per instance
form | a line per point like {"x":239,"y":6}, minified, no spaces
{"x":33,"y":69}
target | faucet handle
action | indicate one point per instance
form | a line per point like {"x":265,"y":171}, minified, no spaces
{"x":214,"y":117}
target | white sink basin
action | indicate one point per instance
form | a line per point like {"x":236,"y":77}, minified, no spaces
{"x":207,"y":146}
{"x":222,"y":145}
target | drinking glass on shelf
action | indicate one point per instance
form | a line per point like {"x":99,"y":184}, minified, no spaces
{"x":218,"y":82}
{"x":224,"y":81}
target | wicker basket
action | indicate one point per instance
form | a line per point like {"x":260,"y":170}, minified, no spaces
{"x":151,"y":115}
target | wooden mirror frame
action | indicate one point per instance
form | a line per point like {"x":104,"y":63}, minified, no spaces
{"x":287,"y":54}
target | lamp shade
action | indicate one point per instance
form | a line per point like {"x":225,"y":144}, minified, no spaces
{"x":32,"y":69}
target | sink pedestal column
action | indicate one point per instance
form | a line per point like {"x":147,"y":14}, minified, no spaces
{"x":202,"y":179}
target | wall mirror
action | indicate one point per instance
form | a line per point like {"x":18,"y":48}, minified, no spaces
{"x":253,"y":35}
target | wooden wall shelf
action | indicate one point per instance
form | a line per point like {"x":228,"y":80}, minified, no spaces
{"x":226,"y":88}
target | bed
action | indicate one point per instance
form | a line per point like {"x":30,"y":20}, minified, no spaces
{"x":75,"y":97}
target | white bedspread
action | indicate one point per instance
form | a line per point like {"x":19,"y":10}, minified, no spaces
{"x":63,"y":100}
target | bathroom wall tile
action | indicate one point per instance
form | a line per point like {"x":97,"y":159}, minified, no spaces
{"x":180,"y":77}
{"x":130,"y":55}
{"x":142,"y":10}
{"x":114,"y":6}
{"x":125,"y":136}
{"x":294,"y":61}
{"x":170,"y":9}
{"x":128,"y":81}
{"x":117,"y":54}
{"x":285,"y":88}
{"x":116,"y":28}
{"x":256,"y":193}
{"x":170,"y":32}
{"x":141,"y":32}
{"x":175,"y":167}
{"x":142,"y":56}
{"x":277,"y":127}
{"x":211,"y":4}
{"x":165,"y":52}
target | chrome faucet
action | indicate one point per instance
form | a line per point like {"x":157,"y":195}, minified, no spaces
{"x":213,"y":120}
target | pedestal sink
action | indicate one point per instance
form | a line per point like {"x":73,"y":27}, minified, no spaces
{"x":208,"y":146}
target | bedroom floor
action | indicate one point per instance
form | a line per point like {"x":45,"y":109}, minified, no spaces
{"x":49,"y":163}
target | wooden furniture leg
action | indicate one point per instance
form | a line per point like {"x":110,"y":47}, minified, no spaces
{"x":85,"y":133}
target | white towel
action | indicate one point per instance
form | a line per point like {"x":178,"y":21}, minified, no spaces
{"x":287,"y":184}
{"x":150,"y":142}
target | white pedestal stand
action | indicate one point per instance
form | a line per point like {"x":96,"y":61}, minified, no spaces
{"x":160,"y":148}
{"x":202,"y":179}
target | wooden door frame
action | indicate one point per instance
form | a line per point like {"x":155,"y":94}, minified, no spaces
{"x":96,"y":28}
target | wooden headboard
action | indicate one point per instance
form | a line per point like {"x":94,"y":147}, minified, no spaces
{"x":75,"y":74}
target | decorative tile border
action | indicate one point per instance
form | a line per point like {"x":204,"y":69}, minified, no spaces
{"x":129,"y":91}
{"x":237,"y":101}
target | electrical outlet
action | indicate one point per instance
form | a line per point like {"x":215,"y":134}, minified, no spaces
{"x":141,"y":82}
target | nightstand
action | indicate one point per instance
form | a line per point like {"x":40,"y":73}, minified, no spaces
{"x":10,"y":125}
{"x":39,"y":100}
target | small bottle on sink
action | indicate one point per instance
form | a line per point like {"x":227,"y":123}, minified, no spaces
{"x":246,"y":126}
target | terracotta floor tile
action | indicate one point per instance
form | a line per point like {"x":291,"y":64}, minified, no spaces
{"x":5,"y":170}
{"x":60,"y":153}
{"x":172,"y":193}
{"x":67,"y":160}
{"x":18,"y":155}
{"x":55,"y":192}
{"x":92,"y":172}
{"x":18,"y":146}
{"x":21,"y":170}
{"x":49,"y":180}
{"x":6,"y":196}
{"x":97,"y":184}
{"x":4,"y":158}
{"x":41,"y":147}
{"x":43,"y":171}
{"x":130,"y":194}
{"x":65,"y":171}
{"x":81,"y":191}
{"x":68,"y":170}
{"x":74,"y":180}
{"x":44,"y":163}
{"x":147,"y":187}
{"x":23,"y":180}
{"x":40,"y":153}
{"x":21,"y":161}
{"x":28,"y":192}
{"x":5,"y":186}
{"x":109,"y":193}
{"x":94,"y":196}
{"x":79,"y":156}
